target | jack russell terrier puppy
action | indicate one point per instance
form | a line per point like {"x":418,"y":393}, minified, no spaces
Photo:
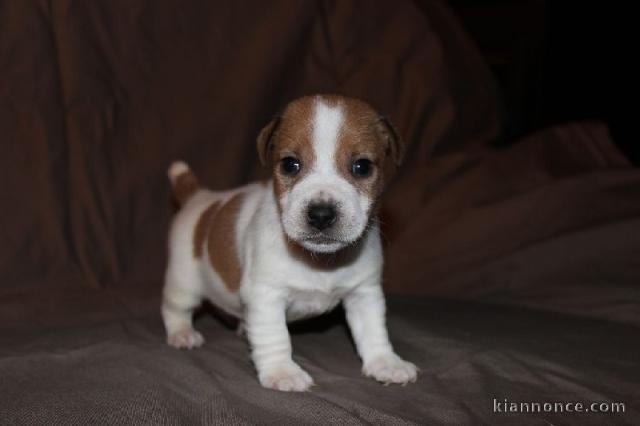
{"x":294,"y":246}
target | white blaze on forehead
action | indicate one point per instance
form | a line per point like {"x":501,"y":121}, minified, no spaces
{"x":327,"y":122}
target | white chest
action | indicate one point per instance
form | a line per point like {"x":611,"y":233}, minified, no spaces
{"x":306,"y":303}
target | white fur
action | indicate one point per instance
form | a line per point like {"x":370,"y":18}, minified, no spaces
{"x":327,"y":123}
{"x":177,"y":168}
{"x":277,"y":285}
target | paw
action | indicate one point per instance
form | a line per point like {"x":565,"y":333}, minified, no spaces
{"x":287,"y":376}
{"x":186,"y":338}
{"x":390,"y":368}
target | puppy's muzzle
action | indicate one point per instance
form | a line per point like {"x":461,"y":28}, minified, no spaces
{"x":321,"y":216}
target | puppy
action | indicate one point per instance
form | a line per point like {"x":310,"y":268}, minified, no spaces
{"x":294,"y":246}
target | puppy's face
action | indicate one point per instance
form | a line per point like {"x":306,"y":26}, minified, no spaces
{"x":329,"y":156}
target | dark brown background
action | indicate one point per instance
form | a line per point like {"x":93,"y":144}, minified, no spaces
{"x":97,"y":98}
{"x":100,"y":98}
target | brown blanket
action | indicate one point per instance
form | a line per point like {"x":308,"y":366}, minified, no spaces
{"x":99,"y":97}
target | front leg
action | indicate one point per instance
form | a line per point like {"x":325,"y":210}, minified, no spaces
{"x":365,"y":311}
{"x":266,"y":328}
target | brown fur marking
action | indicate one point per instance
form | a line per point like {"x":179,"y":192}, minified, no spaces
{"x":221,"y":242}
{"x":202,"y":227}
{"x":360,"y":137}
{"x":293,"y":138}
{"x":184,"y":186}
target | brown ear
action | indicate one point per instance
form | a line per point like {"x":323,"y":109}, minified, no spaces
{"x":395,"y":144}
{"x":265,"y":140}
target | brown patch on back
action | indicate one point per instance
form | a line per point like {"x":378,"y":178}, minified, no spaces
{"x":202,"y":227}
{"x":184,"y":186}
{"x":221,"y":242}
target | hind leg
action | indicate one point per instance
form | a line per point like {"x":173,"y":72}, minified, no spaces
{"x":178,"y":304}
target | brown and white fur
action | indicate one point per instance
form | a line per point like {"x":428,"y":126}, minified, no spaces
{"x":253,"y":252}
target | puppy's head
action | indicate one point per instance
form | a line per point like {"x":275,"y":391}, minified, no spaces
{"x":329,"y":156}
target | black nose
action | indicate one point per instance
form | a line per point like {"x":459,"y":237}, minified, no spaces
{"x":321,"y":216}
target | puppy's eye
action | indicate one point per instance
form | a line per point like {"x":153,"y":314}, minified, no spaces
{"x":361,"y":168}
{"x":290,"y":166}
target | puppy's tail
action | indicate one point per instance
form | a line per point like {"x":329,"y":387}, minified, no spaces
{"x":183,"y":182}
